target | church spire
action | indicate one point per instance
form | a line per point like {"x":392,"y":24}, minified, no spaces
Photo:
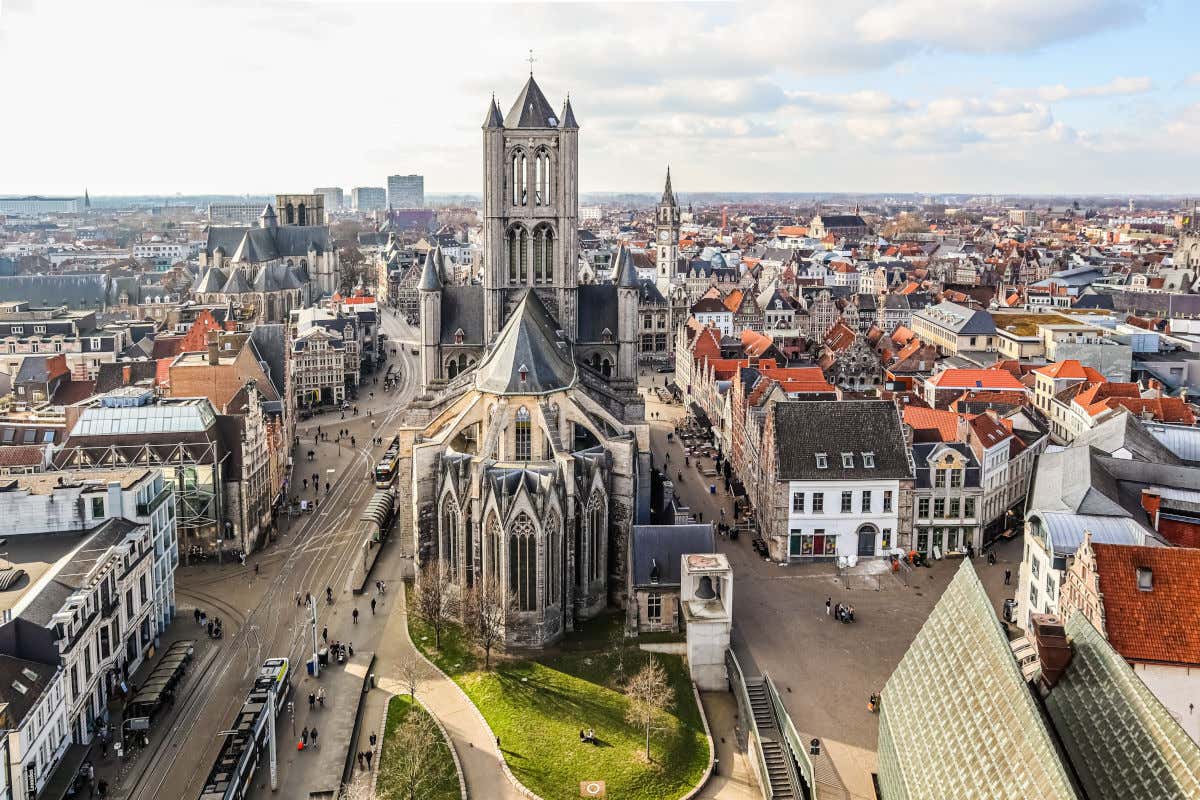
{"x":493,"y":118}
{"x":668,"y":196}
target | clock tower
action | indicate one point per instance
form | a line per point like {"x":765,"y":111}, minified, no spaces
{"x":666,"y":238}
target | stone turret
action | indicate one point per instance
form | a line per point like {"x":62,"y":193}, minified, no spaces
{"x":430,"y":292}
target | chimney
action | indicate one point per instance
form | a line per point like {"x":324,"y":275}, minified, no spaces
{"x":1150,"y":503}
{"x":1053,"y":648}
{"x":214,"y":353}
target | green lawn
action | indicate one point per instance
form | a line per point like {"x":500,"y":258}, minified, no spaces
{"x":538,"y":706}
{"x":399,"y":708}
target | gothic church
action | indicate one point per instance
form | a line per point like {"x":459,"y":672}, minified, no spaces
{"x":531,"y":441}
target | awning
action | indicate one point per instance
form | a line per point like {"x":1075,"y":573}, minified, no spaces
{"x":63,"y":777}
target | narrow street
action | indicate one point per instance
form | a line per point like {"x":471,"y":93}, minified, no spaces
{"x":257,"y":602}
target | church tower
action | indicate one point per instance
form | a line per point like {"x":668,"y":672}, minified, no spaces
{"x":429,"y":291}
{"x":666,"y":246}
{"x":530,"y":209}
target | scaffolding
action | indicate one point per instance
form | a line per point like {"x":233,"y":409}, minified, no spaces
{"x":193,"y":468}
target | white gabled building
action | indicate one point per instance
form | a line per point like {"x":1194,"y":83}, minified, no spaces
{"x":836,"y":477}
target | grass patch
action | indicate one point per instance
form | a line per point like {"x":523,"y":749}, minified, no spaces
{"x":446,"y":786}
{"x":538,"y":705}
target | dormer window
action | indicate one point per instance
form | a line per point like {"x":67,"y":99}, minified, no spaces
{"x":868,"y":460}
{"x":458,"y":336}
{"x":655,"y":573}
{"x":822,"y":461}
{"x":847,"y":460}
{"x":607,"y":336}
{"x":1145,"y":579}
{"x":523,"y":372}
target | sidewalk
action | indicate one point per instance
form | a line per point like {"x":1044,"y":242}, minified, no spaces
{"x":731,"y":777}
{"x":318,"y":773}
{"x":469,"y":736}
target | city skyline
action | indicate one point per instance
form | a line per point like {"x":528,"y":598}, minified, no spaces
{"x":882,"y":97}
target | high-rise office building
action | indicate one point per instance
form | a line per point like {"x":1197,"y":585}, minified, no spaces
{"x":369,"y":198}
{"x":406,"y":191}
{"x":335,"y":198}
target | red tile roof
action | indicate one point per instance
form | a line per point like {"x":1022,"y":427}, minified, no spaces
{"x":840,"y":337}
{"x":902,"y":335}
{"x":931,"y":424}
{"x":989,"y":432}
{"x":1070,"y":369}
{"x":1158,"y":625}
{"x":754,"y":344}
{"x":21,"y":455}
{"x":792,"y":230}
{"x":733,"y":300}
{"x":976,"y":379}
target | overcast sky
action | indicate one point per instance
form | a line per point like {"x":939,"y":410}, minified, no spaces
{"x":198,"y":96}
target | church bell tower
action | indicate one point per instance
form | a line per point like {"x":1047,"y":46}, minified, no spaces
{"x":530,"y":209}
{"x":666,"y":238}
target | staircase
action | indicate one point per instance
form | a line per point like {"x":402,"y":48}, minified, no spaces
{"x":780,"y":770}
{"x":550,"y":414}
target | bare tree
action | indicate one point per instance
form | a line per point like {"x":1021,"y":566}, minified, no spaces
{"x":484,"y":616}
{"x":435,"y":598}
{"x":416,"y":764}
{"x":409,"y":673}
{"x":362,"y":787}
{"x":650,"y":697}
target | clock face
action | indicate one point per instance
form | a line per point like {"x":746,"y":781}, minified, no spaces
{"x":662,"y":236}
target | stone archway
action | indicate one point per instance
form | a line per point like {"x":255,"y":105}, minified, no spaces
{"x":868,"y":536}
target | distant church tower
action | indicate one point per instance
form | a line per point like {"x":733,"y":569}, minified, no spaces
{"x":530,"y":209}
{"x":666,"y":245}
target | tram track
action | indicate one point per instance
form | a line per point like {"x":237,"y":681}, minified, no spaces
{"x":306,"y":561}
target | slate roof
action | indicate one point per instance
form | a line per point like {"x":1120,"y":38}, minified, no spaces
{"x":597,"y":311}
{"x":212,"y":280}
{"x":431,"y":272}
{"x":462,"y":307}
{"x":531,"y":109}
{"x":276,"y":277}
{"x":527,"y":343}
{"x":270,"y":344}
{"x":14,"y":670}
{"x":662,"y":546}
{"x":924,"y":478}
{"x":805,"y":428}
{"x":265,"y":244}
{"x":1157,"y":625}
{"x":76,"y":290}
{"x":237,"y":283}
{"x":1121,"y":740}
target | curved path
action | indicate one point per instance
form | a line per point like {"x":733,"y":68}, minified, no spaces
{"x":469,"y":735}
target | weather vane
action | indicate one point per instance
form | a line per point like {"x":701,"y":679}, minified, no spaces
{"x":531,"y":60}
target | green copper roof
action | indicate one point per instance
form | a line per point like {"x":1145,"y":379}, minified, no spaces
{"x":958,"y":720}
{"x":1122,"y":741}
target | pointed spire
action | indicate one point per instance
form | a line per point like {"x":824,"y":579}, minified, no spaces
{"x":668,"y":196}
{"x":568,"y":116}
{"x":493,"y":119}
{"x":431,"y":274}
{"x":624,"y":272}
{"x":531,"y":110}
{"x":87,"y":201}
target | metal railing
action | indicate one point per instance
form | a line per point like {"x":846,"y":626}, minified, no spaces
{"x":737,"y":682}
{"x":798,"y":747}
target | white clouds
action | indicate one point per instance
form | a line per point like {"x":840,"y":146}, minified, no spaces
{"x":1116,"y":87}
{"x":992,"y":25}
{"x":246,"y":95}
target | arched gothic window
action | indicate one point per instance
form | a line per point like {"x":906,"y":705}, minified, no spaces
{"x":518,"y":255}
{"x":452,"y":369}
{"x":543,"y":177}
{"x":491,"y":567}
{"x":524,"y":435}
{"x":597,"y":537}
{"x":553,"y":569}
{"x":301,"y":215}
{"x":289,"y":213}
{"x":520,"y":178}
{"x":543,"y":254}
{"x":449,"y":545}
{"x":522,"y":562}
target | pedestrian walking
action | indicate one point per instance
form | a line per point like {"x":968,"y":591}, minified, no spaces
{"x":377,"y":589}
{"x":256,"y":569}
{"x":210,"y":627}
{"x":102,"y":788}
{"x":196,"y":613}
{"x":325,"y":635}
{"x":313,"y":734}
{"x":312,"y":700}
{"x":1008,"y":577}
{"x":362,"y":762}
{"x":373,"y":740}
{"x":297,"y":599}
{"x":368,"y":754}
{"x":307,"y":598}
{"x":372,"y":606}
{"x":828,"y":606}
{"x":304,"y":735}
{"x":355,"y":615}
{"x":321,"y":696}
